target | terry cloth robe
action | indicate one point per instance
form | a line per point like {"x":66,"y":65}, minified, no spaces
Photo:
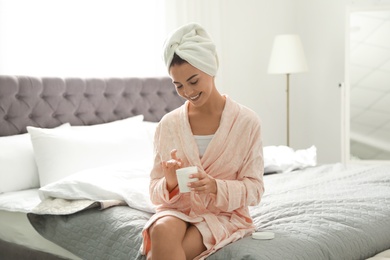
{"x":234,"y":158}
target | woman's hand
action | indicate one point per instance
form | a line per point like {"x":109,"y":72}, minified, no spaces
{"x":205,"y":184}
{"x":169,"y":168}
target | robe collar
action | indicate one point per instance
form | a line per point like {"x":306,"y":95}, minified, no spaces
{"x":217,"y":144}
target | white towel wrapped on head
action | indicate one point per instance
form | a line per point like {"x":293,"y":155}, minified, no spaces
{"x":193,"y":44}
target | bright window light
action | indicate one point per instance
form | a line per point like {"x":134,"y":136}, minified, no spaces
{"x":82,"y":38}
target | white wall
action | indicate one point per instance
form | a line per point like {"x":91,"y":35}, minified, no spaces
{"x":321,"y":25}
{"x":244,"y":35}
{"x":248,"y":36}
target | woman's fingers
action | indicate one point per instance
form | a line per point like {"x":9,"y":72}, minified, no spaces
{"x":173,"y":154}
{"x":202,"y":181}
{"x":205,"y":184}
{"x":174,"y":162}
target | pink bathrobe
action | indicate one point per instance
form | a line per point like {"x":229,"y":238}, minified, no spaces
{"x":234,"y":158}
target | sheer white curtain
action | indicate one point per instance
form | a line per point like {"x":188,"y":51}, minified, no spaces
{"x":205,"y":12}
{"x":209,"y":14}
{"x":85,"y":38}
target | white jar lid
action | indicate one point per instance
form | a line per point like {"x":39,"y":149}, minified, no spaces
{"x":263,"y":235}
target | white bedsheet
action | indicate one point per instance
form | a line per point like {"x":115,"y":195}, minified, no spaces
{"x":127,"y":182}
{"x":19,"y":201}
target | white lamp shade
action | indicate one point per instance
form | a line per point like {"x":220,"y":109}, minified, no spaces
{"x":287,"y":55}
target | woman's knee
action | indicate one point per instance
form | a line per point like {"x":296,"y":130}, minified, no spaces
{"x":158,"y":229}
{"x":167,"y":228}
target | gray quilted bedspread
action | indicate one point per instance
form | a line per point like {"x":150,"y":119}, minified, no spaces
{"x":325,"y":212}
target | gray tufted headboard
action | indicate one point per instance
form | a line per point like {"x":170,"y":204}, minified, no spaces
{"x":49,"y":102}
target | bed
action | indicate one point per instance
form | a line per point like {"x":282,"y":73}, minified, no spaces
{"x":68,"y":189}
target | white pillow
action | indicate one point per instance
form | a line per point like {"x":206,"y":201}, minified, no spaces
{"x":18,"y":170}
{"x":62,"y":152}
{"x":150,"y":128}
{"x":285,"y":159}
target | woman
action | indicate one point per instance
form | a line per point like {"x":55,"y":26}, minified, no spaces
{"x":220,"y":137}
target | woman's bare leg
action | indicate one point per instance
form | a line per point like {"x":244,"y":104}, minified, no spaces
{"x":193,"y":243}
{"x":167,"y":235}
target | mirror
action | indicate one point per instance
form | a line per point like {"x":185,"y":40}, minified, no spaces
{"x":368,"y":84}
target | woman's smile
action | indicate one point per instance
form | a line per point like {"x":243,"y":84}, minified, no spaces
{"x":195,"y":98}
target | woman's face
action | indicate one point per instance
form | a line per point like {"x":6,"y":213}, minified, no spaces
{"x":192,"y":83}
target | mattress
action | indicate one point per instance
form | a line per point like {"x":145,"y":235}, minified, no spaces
{"x":325,"y":212}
